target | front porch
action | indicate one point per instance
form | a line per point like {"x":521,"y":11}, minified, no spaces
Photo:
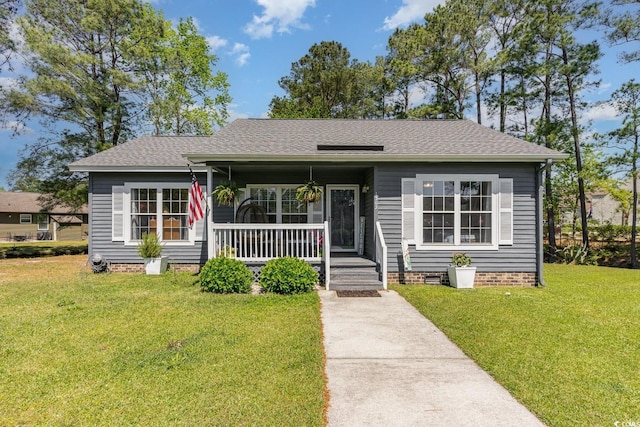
{"x":258,"y":243}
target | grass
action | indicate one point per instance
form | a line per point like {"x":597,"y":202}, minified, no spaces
{"x":125,"y":349}
{"x":570,"y":351}
{"x":42,"y":248}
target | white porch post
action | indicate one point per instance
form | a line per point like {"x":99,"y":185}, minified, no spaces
{"x":209,"y":215}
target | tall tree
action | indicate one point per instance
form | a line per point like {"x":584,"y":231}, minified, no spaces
{"x":323,"y":84}
{"x":558,"y":69}
{"x":186,"y":96}
{"x":442,"y":62}
{"x":624,"y":27}
{"x":626,"y":141}
{"x":83,"y":56}
{"x":471,"y":18}
{"x":404,"y":49}
{"x":89,"y":64}
{"x":8,"y":9}
{"x":504,"y":17}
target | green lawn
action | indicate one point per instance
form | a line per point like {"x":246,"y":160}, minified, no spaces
{"x":570,"y":351}
{"x":129,"y":349}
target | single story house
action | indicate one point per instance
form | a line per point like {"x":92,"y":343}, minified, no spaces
{"x":433,"y":187}
{"x":23,"y":218}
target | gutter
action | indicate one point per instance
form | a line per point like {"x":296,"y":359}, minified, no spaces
{"x":539,"y":227}
{"x":356,"y":157}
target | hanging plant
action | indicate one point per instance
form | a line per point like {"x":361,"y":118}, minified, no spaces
{"x":226,"y":193}
{"x":309,"y":192}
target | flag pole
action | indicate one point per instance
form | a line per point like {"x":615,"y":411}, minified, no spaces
{"x":193,"y":176}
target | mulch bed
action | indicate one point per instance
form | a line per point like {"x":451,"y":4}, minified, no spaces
{"x":358,"y":293}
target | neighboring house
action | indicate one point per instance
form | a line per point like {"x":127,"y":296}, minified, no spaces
{"x":23,"y":218}
{"x":605,"y":209}
{"x":440,"y":186}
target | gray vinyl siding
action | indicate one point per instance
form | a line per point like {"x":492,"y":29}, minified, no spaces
{"x":519,"y":257}
{"x":100,"y":199}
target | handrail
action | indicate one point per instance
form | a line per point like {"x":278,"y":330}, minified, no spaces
{"x":381,"y":253}
{"x":326,"y":254}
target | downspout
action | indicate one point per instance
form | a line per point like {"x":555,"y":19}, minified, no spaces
{"x":539,"y":226}
{"x":209,"y":215}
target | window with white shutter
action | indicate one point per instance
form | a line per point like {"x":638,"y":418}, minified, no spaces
{"x":506,"y":211}
{"x":408,"y":209}
{"x":117,"y":213}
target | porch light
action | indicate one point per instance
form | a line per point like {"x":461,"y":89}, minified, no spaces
{"x":365,"y":188}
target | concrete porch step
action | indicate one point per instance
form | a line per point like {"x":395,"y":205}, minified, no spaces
{"x":354,"y":273}
{"x":350,"y":285}
{"x":357,"y":274}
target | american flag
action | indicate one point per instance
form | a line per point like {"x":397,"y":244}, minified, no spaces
{"x":196,"y":197}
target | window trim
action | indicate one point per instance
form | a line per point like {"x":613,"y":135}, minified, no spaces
{"x":457,"y":245}
{"x":158,"y":186}
{"x":279,"y":188}
{"x":26,"y":218}
{"x":46,"y":220}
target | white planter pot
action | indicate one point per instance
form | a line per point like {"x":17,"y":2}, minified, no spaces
{"x":156,"y":265}
{"x":461,"y":277}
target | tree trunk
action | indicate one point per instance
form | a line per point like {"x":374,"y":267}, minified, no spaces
{"x":478,"y":99}
{"x":576,"y":143}
{"x":634,"y":206}
{"x":503,"y":104}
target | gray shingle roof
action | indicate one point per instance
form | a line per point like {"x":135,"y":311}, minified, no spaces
{"x":23,"y":202}
{"x":289,"y":140}
{"x":145,"y":152}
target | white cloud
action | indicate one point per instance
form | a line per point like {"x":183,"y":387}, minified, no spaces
{"x":216,"y":42}
{"x":279,"y":16}
{"x":8,"y":83}
{"x":15,"y":127}
{"x":410,"y":11}
{"x":602,"y":111}
{"x":241,"y":51}
{"x":604,"y":88}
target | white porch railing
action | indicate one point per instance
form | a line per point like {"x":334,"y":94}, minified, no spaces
{"x":381,"y":254}
{"x":262,"y":242}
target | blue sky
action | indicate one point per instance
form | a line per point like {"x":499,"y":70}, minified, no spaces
{"x":257,"y":40}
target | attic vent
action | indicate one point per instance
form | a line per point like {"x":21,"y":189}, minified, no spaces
{"x":325,"y":147}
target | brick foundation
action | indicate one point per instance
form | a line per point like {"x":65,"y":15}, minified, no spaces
{"x":139,"y":268}
{"x":482,"y":278}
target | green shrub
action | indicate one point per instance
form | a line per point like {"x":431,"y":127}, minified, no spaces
{"x":287,"y":276}
{"x":225,"y":275}
{"x":576,"y":254}
{"x":149,"y":246}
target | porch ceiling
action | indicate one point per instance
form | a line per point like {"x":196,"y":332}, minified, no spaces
{"x":288,"y":168}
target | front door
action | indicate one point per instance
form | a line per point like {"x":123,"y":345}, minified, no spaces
{"x":342,"y":207}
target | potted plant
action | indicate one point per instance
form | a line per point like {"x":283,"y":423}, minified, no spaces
{"x":226,"y":193}
{"x":309,"y":192}
{"x":461,"y":274}
{"x":150,"y":248}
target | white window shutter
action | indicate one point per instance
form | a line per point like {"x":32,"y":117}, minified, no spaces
{"x":506,"y":212}
{"x":408,"y":209}
{"x":117,"y":213}
{"x":201,"y":224}
{"x":315,"y":212}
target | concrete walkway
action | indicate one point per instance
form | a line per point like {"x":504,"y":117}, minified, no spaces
{"x":389,"y":366}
